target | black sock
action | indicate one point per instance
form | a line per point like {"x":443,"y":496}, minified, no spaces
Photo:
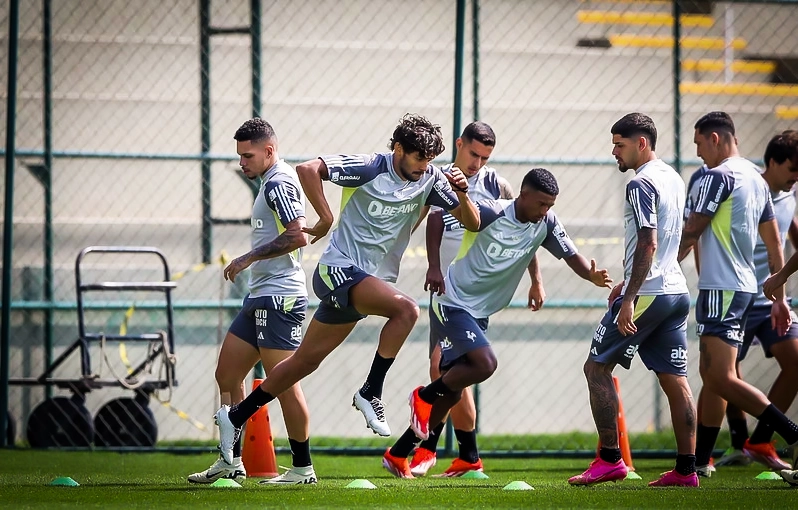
{"x":705,"y":438}
{"x":467,"y":441}
{"x":433,"y":390}
{"x":738,"y":429}
{"x":237,"y":448}
{"x":373,"y":385}
{"x":783,"y":426}
{"x":763,"y":433}
{"x":431,"y":444}
{"x":685,"y":464}
{"x":405,"y":444}
{"x":300,"y":453}
{"x":611,"y":455}
{"x":240,"y":413}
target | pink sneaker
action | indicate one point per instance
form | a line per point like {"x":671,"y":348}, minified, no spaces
{"x":601,"y":471}
{"x":674,"y":479}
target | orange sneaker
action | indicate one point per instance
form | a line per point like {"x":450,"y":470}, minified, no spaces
{"x":765,"y":453}
{"x":423,"y":460}
{"x":397,"y":466}
{"x":460,"y":467}
{"x":419,"y":415}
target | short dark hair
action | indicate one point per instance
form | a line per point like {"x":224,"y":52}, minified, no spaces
{"x":417,"y":134}
{"x":481,"y":132}
{"x":254,"y":130}
{"x":782,"y":147}
{"x":715,"y":122}
{"x":541,"y":180}
{"x":636,"y":124}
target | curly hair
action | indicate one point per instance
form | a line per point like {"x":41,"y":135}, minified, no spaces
{"x":416,"y":134}
{"x":782,"y":147}
{"x":254,"y":130}
{"x":636,"y":124}
{"x":541,"y":180}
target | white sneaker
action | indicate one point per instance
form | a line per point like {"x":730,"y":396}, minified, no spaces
{"x":221,"y":469}
{"x":228,"y":434}
{"x":294,"y":476}
{"x":705,"y":471}
{"x":374,"y":412}
{"x":790,"y":476}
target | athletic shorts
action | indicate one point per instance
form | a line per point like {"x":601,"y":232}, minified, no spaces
{"x":457,"y":331}
{"x":757,"y":327}
{"x":722,"y":313}
{"x":271,"y":322}
{"x":661,"y":338}
{"x":331,"y":285}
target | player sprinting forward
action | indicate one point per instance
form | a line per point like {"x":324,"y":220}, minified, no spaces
{"x":734,"y":202}
{"x":443,"y":237}
{"x":781,"y":173}
{"x":480,"y":282}
{"x":383,"y":196}
{"x":648,"y":311}
{"x":269,"y":326}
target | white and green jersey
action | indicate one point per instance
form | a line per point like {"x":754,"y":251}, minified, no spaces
{"x":784,"y":210}
{"x":378,"y":208}
{"x":655,"y":199}
{"x":486,"y":271}
{"x":279,"y":202}
{"x":737,"y":198}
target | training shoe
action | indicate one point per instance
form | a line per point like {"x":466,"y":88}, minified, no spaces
{"x":705,"y":471}
{"x":674,"y":479}
{"x":460,"y":467}
{"x":790,"y":476}
{"x":397,"y":466}
{"x":374,"y":412}
{"x":419,"y":415}
{"x":423,"y":460}
{"x":765,"y":453}
{"x":733,"y":457}
{"x":228,"y":434}
{"x":601,"y":471}
{"x":221,"y":469}
{"x":294,"y":476}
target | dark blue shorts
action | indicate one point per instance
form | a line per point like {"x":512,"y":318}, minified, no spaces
{"x":722,"y":313}
{"x":457,"y":331}
{"x":271,"y":322}
{"x":661,"y":338}
{"x":757,"y":327}
{"x":331,"y":285}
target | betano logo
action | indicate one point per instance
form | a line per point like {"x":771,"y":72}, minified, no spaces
{"x":378,"y":210}
{"x":497,"y":251}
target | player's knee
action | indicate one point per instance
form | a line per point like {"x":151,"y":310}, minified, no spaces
{"x":595,"y":371}
{"x":485,"y":366}
{"x":226,"y":381}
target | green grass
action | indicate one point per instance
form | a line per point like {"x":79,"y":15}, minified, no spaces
{"x":157,"y":480}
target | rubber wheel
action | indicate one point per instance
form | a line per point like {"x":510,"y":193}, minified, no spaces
{"x":60,"y":421}
{"x":125,"y":422}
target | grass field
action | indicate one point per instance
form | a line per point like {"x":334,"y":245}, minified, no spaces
{"x":157,"y":480}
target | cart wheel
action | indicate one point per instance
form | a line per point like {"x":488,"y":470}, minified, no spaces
{"x":60,"y":421}
{"x":11,"y":430}
{"x":125,"y":422}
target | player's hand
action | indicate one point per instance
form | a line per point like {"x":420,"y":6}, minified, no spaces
{"x":434,"y":281}
{"x":624,"y":320}
{"x":457,"y":179}
{"x":319,"y":230}
{"x":772,"y":284}
{"x":780,"y":317}
{"x":614,"y":293}
{"x":537,"y":296}
{"x":236,"y":266}
{"x":600,"y":277}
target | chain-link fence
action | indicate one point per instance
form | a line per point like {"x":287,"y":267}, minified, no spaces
{"x":124,"y":124}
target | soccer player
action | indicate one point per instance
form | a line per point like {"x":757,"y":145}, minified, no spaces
{"x":648,"y":310}
{"x":480,"y":282}
{"x":444,"y":235}
{"x":269,"y":326}
{"x":383,"y":196}
{"x":734,"y":202}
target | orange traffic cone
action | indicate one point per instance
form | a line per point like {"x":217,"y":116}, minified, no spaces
{"x":623,"y":436}
{"x":258,"y":448}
